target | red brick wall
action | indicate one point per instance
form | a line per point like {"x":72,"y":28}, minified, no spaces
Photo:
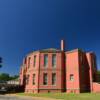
{"x":92,"y":69}
{"x":84,"y":72}
{"x":59,"y":70}
{"x":96,"y":87}
{"x":76,"y":62}
{"x":33,"y":70}
{"x":72,"y":67}
{"x":21,"y":75}
{"x":39,"y":70}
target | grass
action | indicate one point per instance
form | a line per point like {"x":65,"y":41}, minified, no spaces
{"x":64,"y":96}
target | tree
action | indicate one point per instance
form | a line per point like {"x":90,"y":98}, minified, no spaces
{"x":7,"y":77}
{"x":98,"y":72}
{"x":4,"y":77}
{"x":14,"y":77}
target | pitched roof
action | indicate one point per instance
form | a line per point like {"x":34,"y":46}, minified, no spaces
{"x":50,"y":50}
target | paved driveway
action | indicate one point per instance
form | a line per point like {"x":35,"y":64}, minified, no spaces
{"x":6,"y":97}
{"x":14,"y":97}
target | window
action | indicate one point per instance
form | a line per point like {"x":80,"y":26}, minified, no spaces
{"x":45,"y":79}
{"x":71,"y":77}
{"x":24,"y":79}
{"x":94,"y":61}
{"x":45,"y":60}
{"x":53,"y":78}
{"x":29,"y":59}
{"x":34,"y":60}
{"x":34,"y":79}
{"x":27,"y":79}
{"x":54,"y":60}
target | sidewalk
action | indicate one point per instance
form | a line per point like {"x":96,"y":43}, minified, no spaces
{"x":31,"y":98}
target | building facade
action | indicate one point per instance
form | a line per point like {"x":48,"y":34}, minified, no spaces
{"x":53,"y":70}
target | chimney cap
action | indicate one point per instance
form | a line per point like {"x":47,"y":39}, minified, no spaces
{"x":62,"y":45}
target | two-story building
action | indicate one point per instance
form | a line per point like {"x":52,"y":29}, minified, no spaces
{"x":57,"y":70}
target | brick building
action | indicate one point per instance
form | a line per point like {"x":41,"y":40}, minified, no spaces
{"x":53,"y":70}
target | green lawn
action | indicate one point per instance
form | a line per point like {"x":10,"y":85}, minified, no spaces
{"x":64,"y":96}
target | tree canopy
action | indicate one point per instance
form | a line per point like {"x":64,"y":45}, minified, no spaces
{"x":98,"y":72}
{"x":7,"y":77}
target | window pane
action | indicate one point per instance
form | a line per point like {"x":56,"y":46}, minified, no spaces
{"x":45,"y":79}
{"x":54,"y":60}
{"x":33,"y":79}
{"x":27,"y":79}
{"x":34,"y":61}
{"x":71,"y":77}
{"x":53,"y":78}
{"x":29,"y":60}
{"x":45,"y":60}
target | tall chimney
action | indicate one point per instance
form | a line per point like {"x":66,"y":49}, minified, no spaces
{"x":62,"y":45}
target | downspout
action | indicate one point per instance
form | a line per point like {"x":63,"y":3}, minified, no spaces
{"x":39,"y":73}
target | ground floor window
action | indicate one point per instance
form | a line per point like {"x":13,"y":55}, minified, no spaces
{"x":45,"y":79}
{"x":34,"y":79}
{"x":53,"y":78}
{"x":71,"y":77}
{"x":27,"y":79}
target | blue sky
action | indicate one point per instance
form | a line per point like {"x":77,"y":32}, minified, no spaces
{"x":28,"y":25}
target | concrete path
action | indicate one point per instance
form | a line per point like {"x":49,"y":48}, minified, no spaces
{"x":15,"y":97}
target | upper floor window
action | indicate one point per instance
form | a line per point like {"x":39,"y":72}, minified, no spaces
{"x":45,"y":60}
{"x":94,"y":61}
{"x":29,"y":61}
{"x":34,"y":79}
{"x":34,"y":60}
{"x":24,"y":79}
{"x":71,"y":77}
{"x":54,"y":60}
{"x":45,"y":79}
{"x":53,"y":78}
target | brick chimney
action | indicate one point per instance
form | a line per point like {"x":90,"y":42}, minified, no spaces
{"x":62,"y":45}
